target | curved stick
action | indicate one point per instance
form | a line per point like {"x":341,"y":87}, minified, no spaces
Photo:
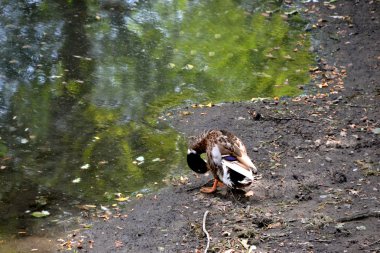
{"x":205,"y":231}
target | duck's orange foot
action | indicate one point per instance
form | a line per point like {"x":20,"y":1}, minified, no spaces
{"x":208,"y":189}
{"x":213,"y":188}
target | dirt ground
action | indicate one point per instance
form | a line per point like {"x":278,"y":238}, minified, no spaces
{"x":318,"y":159}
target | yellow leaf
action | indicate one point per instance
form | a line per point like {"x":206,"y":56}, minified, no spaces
{"x":184,"y":180}
{"x":121,"y":199}
{"x":185,"y":113}
{"x":244,"y":242}
{"x":87,"y":207}
{"x":189,"y":67}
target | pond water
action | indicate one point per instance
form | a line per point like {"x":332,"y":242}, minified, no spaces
{"x":82,"y":84}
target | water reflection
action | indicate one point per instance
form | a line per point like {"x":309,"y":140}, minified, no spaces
{"x":82,"y":83}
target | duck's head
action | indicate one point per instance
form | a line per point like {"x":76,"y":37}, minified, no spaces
{"x":195,"y":162}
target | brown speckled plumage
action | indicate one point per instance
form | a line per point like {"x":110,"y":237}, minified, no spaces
{"x":217,"y":144}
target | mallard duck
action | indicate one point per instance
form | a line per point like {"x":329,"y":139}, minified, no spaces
{"x":227,"y":159}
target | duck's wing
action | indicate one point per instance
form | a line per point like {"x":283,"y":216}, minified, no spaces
{"x":238,"y":167}
{"x":229,"y":144}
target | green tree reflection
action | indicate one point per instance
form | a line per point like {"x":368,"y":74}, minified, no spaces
{"x":82,"y":84}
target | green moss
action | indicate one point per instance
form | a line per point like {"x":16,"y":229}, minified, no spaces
{"x":3,"y":150}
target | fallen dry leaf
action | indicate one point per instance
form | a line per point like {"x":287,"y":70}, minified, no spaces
{"x":185,"y":113}
{"x":122,"y":199}
{"x":244,"y":242}
{"x":87,"y":207}
{"x":119,"y":244}
{"x":249,"y":193}
{"x":275,"y":225}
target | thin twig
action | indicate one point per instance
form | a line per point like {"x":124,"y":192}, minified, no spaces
{"x":205,"y":231}
{"x":322,"y":240}
{"x":371,"y":244}
{"x":363,"y":106}
{"x":270,"y":141}
{"x":257,"y":116}
{"x":360,"y":216}
{"x":290,"y":118}
{"x":198,"y":187}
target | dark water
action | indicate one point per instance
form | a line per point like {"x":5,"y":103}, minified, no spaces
{"x":82,"y":84}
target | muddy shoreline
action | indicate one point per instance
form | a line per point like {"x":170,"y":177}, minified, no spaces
{"x":318,"y":157}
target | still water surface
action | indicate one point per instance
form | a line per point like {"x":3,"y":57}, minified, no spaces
{"x":82,"y":84}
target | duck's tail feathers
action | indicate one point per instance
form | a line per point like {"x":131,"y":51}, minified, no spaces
{"x":239,"y":169}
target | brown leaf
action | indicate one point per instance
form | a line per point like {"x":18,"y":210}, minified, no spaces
{"x":185,"y":113}
{"x":119,"y":244}
{"x":275,"y":225}
{"x":249,"y":194}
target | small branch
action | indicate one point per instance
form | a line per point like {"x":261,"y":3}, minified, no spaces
{"x":258,"y":116}
{"x":322,"y":240}
{"x":269,"y":142}
{"x":371,"y":244}
{"x":199,"y":186}
{"x":205,"y":231}
{"x":362,"y":106}
{"x":194,"y":188}
{"x":360,"y":216}
{"x":290,"y":118}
